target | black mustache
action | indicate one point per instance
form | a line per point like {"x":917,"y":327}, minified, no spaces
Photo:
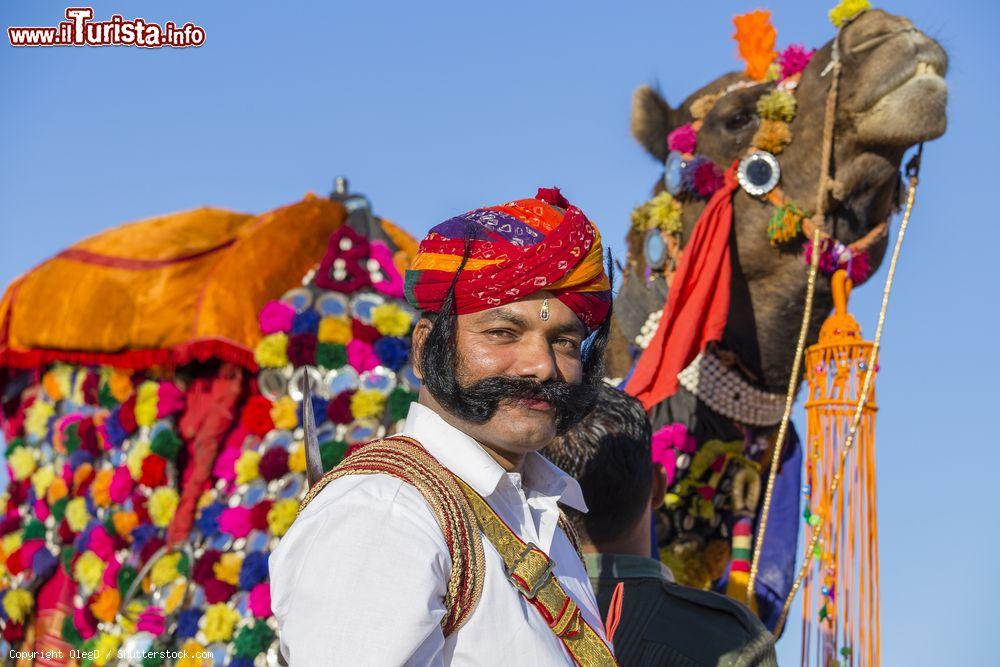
{"x":481,"y":399}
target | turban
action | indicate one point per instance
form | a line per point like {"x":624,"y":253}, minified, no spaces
{"x":515,"y":250}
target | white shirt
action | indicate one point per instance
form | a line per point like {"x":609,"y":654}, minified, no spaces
{"x":360,"y":577}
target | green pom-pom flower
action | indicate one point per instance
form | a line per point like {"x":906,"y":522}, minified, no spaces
{"x":167,"y":444}
{"x":399,"y":402}
{"x":331,"y":355}
{"x":331,"y":453}
{"x":252,"y":640}
{"x":126,"y":575}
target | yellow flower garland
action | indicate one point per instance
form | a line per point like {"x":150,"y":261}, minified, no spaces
{"x":272,"y":351}
{"x":138,"y":452}
{"x":367,"y":403}
{"x":247,"y":466}
{"x":36,"y":418}
{"x":227,"y":568}
{"x":18,"y":603}
{"x":77,"y":515}
{"x":297,"y":457}
{"x":219,"y":622}
{"x":391,"y":320}
{"x":281,"y":515}
{"x":88,"y":570}
{"x":165,"y":569}
{"x":191,"y":650}
{"x":333,"y":329}
{"x":283,"y":413}
{"x":162,"y":505}
{"x":145,"y":403}
{"x":106,"y":648}
{"x":22,"y":463}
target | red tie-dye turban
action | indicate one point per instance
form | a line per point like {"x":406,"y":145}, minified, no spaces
{"x":516,"y":250}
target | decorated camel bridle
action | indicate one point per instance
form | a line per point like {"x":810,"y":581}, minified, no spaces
{"x":689,"y":174}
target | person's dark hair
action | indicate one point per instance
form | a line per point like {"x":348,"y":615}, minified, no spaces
{"x":478,"y":402}
{"x":608,"y":453}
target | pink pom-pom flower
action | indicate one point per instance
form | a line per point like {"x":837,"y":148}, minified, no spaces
{"x":276,"y":316}
{"x":361,"y":356}
{"x":151,"y":620}
{"x":121,"y":484}
{"x":169,"y":399}
{"x":236,"y":521}
{"x":683,"y":139}
{"x":260,"y":600}
{"x":794,"y":59}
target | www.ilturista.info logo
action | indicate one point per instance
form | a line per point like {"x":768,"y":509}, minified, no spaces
{"x":80,"y":30}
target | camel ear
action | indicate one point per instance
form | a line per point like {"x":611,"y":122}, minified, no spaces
{"x":651,"y":121}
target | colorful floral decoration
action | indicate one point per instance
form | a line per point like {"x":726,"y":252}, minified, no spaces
{"x":97,"y":458}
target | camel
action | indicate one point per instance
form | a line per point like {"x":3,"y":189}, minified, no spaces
{"x":892,"y":96}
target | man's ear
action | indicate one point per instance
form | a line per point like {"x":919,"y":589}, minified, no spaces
{"x":418,"y":338}
{"x":659,"y":485}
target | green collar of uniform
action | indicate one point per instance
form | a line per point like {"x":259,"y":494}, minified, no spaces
{"x":625,"y":566}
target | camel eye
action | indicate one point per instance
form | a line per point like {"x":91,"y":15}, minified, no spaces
{"x":738,"y":120}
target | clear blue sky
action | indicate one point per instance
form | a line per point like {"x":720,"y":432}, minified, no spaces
{"x":433,"y":108}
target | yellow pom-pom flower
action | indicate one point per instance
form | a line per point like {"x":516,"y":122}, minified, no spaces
{"x":41,"y":479}
{"x":297,"y":457}
{"x":165,"y":569}
{"x":367,"y":403}
{"x":162,"y":505}
{"x":77,"y":515}
{"x":227,"y":568}
{"x":283,"y":413}
{"x":174,"y":599}
{"x":138,"y":452}
{"x":22,"y":463}
{"x":18,"y":604}
{"x":145,"y":403}
{"x":777,"y":105}
{"x":88,"y":570}
{"x":847,"y":10}
{"x":281,"y":515}
{"x":661,"y":212}
{"x":219,"y":622}
{"x":190,"y":652}
{"x":247,"y":466}
{"x":106,"y":648}
{"x":335,"y":329}
{"x":131,"y":615}
{"x":206,"y":498}
{"x":36,"y":418}
{"x":272,"y":351}
{"x":11,"y":542}
{"x":391,"y":320}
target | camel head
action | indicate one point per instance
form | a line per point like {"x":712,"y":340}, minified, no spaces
{"x":891,"y":96}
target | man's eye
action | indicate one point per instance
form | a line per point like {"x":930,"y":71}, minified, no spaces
{"x":568,"y":343}
{"x":503,"y":334}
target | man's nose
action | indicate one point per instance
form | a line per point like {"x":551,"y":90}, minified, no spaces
{"x":536,"y":360}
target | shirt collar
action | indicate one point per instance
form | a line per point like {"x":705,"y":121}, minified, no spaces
{"x":625,"y":566}
{"x":465,"y":457}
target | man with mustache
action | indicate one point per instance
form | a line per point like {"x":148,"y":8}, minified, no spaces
{"x":446,"y":545}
